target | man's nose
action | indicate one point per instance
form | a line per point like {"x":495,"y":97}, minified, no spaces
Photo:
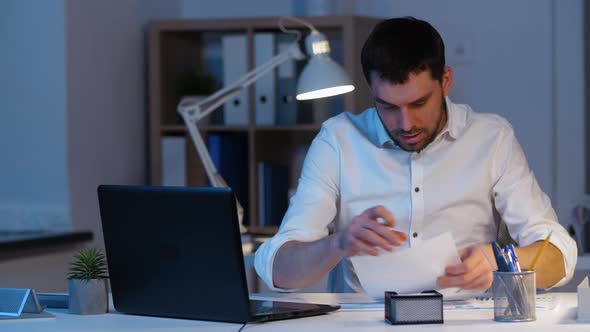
{"x":405,"y":121}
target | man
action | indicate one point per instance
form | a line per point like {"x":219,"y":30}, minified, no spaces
{"x":414,"y":166}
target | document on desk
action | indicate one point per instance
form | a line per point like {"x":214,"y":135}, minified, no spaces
{"x":542,"y":301}
{"x":406,"y":271}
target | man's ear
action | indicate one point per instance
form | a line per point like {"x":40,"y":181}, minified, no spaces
{"x":447,"y":80}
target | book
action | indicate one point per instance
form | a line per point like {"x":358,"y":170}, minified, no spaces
{"x":173,"y":161}
{"x":229,"y":154}
{"x":275,"y":193}
{"x":261,"y":198}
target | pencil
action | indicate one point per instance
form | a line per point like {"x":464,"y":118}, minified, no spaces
{"x":540,"y":252}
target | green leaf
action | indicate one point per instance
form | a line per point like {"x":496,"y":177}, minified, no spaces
{"x":89,"y":263}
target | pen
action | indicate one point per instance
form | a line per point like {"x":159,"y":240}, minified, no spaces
{"x":500,"y":260}
{"x":514,"y":257}
{"x":508,"y":257}
{"x":520,"y":288}
{"x":540,"y":252}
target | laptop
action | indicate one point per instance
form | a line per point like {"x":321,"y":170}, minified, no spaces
{"x":177,"y":252}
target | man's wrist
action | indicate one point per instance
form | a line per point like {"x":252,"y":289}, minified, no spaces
{"x":335,"y":244}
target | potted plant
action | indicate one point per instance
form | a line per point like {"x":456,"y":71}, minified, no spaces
{"x":87,"y":283}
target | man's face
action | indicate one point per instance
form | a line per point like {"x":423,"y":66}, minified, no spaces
{"x":413,"y":112}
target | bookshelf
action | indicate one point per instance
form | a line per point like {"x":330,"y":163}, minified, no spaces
{"x":181,"y":48}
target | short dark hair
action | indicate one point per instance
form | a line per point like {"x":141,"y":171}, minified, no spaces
{"x":399,"y":46}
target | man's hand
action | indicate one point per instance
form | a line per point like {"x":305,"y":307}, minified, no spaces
{"x":366,"y":233}
{"x":474,"y":271}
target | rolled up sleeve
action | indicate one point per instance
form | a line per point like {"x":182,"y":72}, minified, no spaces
{"x":311,"y":209}
{"x":524,"y":207}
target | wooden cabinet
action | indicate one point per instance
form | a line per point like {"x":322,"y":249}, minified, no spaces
{"x":185,"y":52}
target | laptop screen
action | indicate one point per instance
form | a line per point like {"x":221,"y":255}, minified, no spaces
{"x":174,"y":252}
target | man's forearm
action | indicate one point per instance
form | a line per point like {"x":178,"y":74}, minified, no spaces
{"x":550,"y":267}
{"x":302,"y":264}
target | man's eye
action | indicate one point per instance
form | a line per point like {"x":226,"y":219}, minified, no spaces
{"x":389,"y":108}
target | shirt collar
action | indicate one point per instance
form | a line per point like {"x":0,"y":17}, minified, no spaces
{"x":383,"y":138}
{"x":453,"y":128}
{"x":457,"y":119}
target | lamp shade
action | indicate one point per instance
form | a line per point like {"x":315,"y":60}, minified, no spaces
{"x":322,"y":77}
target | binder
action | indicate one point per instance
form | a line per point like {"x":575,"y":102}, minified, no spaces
{"x":212,"y":54}
{"x":173,"y":161}
{"x":273,"y":186}
{"x":286,"y":85}
{"x":264,"y":88}
{"x":235,"y":65}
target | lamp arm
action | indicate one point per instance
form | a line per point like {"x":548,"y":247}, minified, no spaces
{"x":204,"y":155}
{"x":194,"y":112}
{"x":212,"y":173}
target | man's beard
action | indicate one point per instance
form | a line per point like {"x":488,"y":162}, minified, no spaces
{"x":430,"y":134}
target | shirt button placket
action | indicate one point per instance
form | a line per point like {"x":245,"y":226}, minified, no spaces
{"x":417,"y":197}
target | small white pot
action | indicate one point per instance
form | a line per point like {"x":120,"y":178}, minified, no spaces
{"x":88,"y":297}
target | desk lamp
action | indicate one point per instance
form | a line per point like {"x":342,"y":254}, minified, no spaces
{"x":321,"y":77}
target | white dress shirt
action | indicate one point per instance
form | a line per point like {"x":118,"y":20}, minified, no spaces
{"x":472,"y":174}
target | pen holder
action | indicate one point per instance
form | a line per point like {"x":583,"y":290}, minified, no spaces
{"x":514,"y":296}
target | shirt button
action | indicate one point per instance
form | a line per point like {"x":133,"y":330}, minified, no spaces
{"x":415,"y":234}
{"x":416,"y":189}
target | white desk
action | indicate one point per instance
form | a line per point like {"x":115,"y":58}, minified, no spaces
{"x":562,"y":318}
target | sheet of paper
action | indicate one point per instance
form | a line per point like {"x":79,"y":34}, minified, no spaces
{"x":458,"y":294}
{"x":542,"y":301}
{"x":408,"y":271}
